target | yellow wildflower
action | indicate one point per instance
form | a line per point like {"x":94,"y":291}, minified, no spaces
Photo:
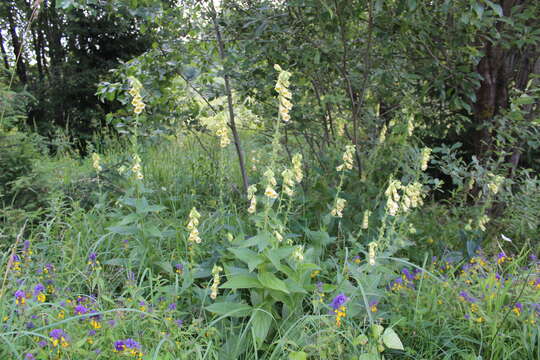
{"x":337,"y":211}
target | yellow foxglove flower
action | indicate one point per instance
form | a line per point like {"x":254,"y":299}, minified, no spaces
{"x":426,"y":152}
{"x":382,"y":134}
{"x":215,"y":271}
{"x":96,"y":162}
{"x":365,"y":220}
{"x":371,"y":253}
{"x":270,"y":192}
{"x":337,"y":211}
{"x":297,"y":167}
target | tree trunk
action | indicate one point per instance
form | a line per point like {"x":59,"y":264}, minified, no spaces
{"x":20,"y":66}
{"x":232,"y":123}
{"x":491,"y":96}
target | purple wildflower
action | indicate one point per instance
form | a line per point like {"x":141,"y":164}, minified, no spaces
{"x":119,"y":345}
{"x":179,"y":322}
{"x":501,"y":257}
{"x":407,"y":274}
{"x":132,"y":344}
{"x":466,"y":297}
{"x":172,"y":306}
{"x":49,"y":267}
{"x":80,"y":310}
{"x":20,"y":297}
{"x":92,"y":257}
{"x":29,"y":356}
{"x":91,"y":332}
{"x":57,"y":334}
{"x":42,"y":343}
{"x":179,"y":268}
{"x":338,"y":301}
{"x":39,"y":288}
{"x":30,"y":325}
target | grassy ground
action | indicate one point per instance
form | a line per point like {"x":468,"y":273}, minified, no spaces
{"x":176,"y":264}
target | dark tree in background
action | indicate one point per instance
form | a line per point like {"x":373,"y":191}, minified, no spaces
{"x":63,"y":54}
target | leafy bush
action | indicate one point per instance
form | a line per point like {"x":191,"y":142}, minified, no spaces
{"x":19,"y":151}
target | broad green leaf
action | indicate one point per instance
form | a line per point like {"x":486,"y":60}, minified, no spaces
{"x":261,"y":240}
{"x":166,"y":266}
{"x":142,"y":207}
{"x":391,"y":339}
{"x":123,"y":230}
{"x":479,"y":9}
{"x":126,"y":220}
{"x":152,"y":230}
{"x":250,"y":257}
{"x":369,"y":356}
{"x":230,"y":309}
{"x":276,"y":255}
{"x":261,"y":321}
{"x":242,"y":281}
{"x":295,"y":287}
{"x":298,"y":355}
{"x":496,"y":7}
{"x":319,"y":237}
{"x":524,"y":99}
{"x":270,"y":281}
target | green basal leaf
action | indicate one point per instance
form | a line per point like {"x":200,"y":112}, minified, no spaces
{"x":242,"y":281}
{"x":270,"y":281}
{"x":230,"y":309}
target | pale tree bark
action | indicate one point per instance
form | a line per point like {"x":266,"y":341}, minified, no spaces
{"x":4,"y":53}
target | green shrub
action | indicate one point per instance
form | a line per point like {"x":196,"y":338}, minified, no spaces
{"x":18,"y":153}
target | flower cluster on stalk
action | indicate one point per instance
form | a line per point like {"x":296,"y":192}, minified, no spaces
{"x":136,"y":168}
{"x":348,"y":160}
{"x":252,"y":190}
{"x":284,"y":94}
{"x":215,"y":284}
{"x":338,"y":208}
{"x":270,"y":184}
{"x":135,"y":91}
{"x":192,"y":225}
{"x":96,"y":162}
{"x":297,"y":167}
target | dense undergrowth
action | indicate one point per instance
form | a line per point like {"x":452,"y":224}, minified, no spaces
{"x":149,"y":250}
